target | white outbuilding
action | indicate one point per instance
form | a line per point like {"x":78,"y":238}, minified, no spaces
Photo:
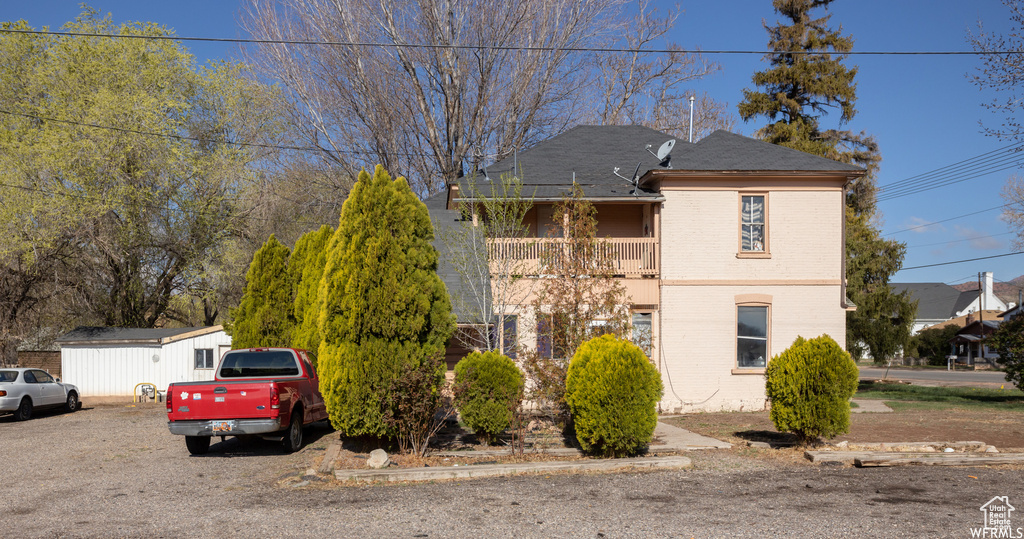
{"x":112,"y":362}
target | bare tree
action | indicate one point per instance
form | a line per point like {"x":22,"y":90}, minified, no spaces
{"x":1002,"y":72}
{"x":434,"y":88}
{"x":485,"y":249}
{"x":1013,"y":195}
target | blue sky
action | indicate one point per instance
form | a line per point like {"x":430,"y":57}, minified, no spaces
{"x":922,"y":109}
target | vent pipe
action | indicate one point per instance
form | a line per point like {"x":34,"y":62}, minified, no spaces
{"x":691,"y":118}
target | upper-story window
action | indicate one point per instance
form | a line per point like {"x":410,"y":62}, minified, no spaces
{"x":753,"y":232}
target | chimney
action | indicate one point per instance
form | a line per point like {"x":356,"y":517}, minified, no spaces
{"x":970,"y":318}
{"x":988,"y":297}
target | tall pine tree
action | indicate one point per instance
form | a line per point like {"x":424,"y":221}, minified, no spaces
{"x":806,"y":80}
{"x":264,"y":316}
{"x":306,"y":267}
{"x":382,"y":305}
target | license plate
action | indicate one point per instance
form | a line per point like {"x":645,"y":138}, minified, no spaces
{"x":223,"y":426}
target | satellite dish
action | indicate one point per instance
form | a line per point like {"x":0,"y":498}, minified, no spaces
{"x":664,"y":154}
{"x":666,"y":149}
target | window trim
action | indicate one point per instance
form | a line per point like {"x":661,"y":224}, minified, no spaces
{"x":740,"y":252}
{"x":752,"y":300}
{"x":213,"y":362}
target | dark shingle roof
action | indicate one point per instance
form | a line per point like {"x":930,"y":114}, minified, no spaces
{"x":936,"y":301}
{"x":725,"y":151}
{"x":449,"y":227}
{"x":88,"y":334}
{"x":589,"y":154}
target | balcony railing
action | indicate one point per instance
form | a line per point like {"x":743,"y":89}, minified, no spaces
{"x":629,"y":257}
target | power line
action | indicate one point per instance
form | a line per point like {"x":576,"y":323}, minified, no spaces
{"x":962,"y":261}
{"x":959,"y":241}
{"x":950,"y":219}
{"x":499,"y":47}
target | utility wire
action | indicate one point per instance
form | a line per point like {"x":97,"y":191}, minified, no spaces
{"x":960,"y":240}
{"x":499,"y":47}
{"x":950,"y":219}
{"x":961,"y":261}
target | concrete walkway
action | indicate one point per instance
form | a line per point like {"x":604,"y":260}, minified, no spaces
{"x":869,"y":406}
{"x":667,"y":440}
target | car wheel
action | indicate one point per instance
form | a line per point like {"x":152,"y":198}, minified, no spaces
{"x":72,"y":403}
{"x":293,"y":440}
{"x":197,"y":445}
{"x":24,"y":410}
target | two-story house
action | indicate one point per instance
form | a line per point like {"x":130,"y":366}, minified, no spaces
{"x":728,"y":248}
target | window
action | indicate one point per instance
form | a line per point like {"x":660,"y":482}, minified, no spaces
{"x":751,"y":336}
{"x":509,"y":335}
{"x":549,"y":344}
{"x":544,"y":335}
{"x":752,"y":224}
{"x":642,"y":335}
{"x":204,"y":358}
{"x":43,"y":377}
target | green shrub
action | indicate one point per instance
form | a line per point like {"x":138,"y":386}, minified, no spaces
{"x":809,"y":386}
{"x":932,"y":344}
{"x":612,"y":390}
{"x":1008,"y":340}
{"x":489,"y":388}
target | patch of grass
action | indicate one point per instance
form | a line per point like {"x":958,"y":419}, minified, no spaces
{"x":901,"y":396}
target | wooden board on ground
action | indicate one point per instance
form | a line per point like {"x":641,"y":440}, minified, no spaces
{"x":938,"y":459}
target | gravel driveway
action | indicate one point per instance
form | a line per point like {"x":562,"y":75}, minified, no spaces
{"x":116,"y":471}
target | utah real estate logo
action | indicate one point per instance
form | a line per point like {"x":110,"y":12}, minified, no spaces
{"x":997,"y":520}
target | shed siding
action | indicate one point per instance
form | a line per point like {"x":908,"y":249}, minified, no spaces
{"x":114,"y":370}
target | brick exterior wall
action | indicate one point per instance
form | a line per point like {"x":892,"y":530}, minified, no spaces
{"x":704,"y":278}
{"x":46,"y":360}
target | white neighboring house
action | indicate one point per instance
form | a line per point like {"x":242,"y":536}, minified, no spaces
{"x":104,"y":361}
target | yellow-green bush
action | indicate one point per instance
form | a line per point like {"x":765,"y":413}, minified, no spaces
{"x":809,"y":386}
{"x":489,"y":387}
{"x":612,"y":390}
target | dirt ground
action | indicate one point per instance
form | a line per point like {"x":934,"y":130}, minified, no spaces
{"x":1005,"y":430}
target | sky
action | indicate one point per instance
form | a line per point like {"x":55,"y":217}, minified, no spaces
{"x":923,"y":110}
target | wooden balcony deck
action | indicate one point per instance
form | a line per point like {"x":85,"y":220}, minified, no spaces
{"x":628,"y":257}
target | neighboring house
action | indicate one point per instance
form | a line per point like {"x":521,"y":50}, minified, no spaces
{"x":938,"y":302}
{"x":1012,"y":313}
{"x":970,"y":344}
{"x":729,"y":248}
{"x":105,"y":361}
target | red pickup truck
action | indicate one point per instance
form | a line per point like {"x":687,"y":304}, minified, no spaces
{"x":269,"y":392}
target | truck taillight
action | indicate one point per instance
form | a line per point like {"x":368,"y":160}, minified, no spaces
{"x":275,"y":398}
{"x":168,"y":400}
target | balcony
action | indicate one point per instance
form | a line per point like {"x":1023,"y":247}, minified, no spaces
{"x":628,"y":257}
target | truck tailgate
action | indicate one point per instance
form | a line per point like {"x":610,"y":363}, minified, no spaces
{"x":221,"y":400}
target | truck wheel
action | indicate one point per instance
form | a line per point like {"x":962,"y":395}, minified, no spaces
{"x":197,"y":445}
{"x":24,"y":411}
{"x":293,"y":439}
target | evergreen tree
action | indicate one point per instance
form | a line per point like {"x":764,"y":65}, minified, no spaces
{"x":264,"y":316}
{"x":881,"y":324}
{"x":306,"y":267}
{"x":806,"y":80}
{"x":383,"y":307}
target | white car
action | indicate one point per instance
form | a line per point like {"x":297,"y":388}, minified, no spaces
{"x":22,"y":390}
